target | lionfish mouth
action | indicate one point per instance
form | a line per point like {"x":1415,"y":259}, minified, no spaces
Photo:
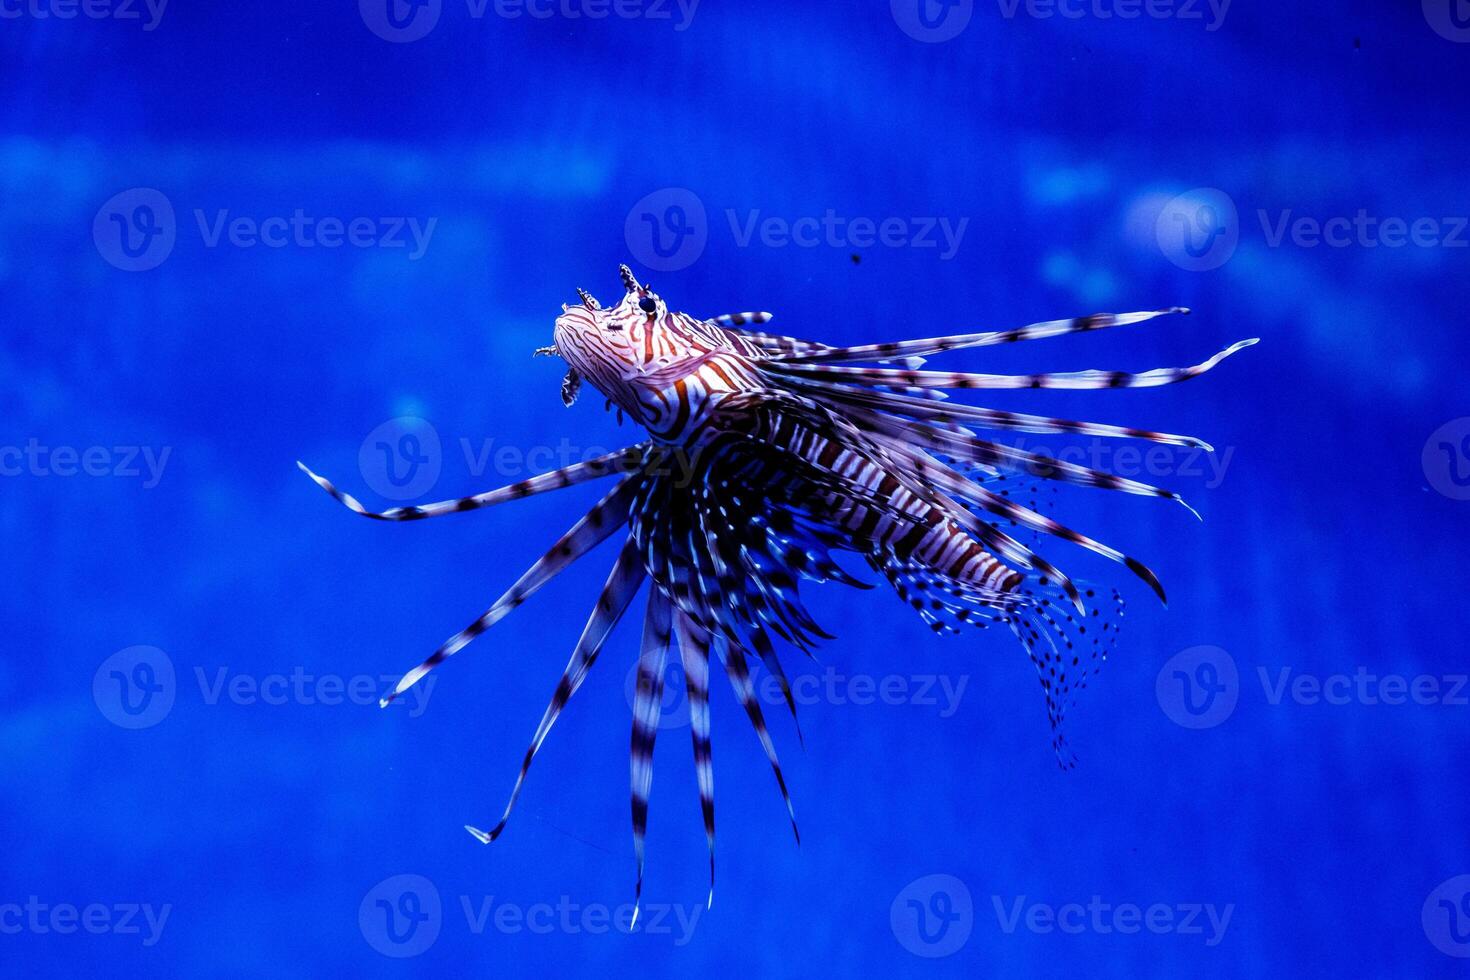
{"x":812,"y":457}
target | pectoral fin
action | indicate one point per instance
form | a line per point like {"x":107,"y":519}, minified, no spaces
{"x":570,"y":385}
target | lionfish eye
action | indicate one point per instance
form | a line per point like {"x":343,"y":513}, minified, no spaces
{"x":647,"y":305}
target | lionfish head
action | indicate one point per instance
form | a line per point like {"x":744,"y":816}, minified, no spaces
{"x":606,"y":345}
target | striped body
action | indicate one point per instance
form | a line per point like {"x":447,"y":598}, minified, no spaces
{"x":671,"y":372}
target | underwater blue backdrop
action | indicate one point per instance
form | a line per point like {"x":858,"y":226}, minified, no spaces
{"x":238,"y":235}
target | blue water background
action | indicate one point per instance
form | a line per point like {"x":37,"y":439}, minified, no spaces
{"x":1326,"y":546}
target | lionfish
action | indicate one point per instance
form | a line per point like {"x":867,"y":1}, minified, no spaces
{"x":787,"y":455}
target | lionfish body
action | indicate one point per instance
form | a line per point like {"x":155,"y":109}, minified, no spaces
{"x":767,"y":456}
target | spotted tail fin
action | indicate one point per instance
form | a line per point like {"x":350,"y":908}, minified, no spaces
{"x":1066,"y":647}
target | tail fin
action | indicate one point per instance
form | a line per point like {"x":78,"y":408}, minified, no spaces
{"x":1067,"y":648}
